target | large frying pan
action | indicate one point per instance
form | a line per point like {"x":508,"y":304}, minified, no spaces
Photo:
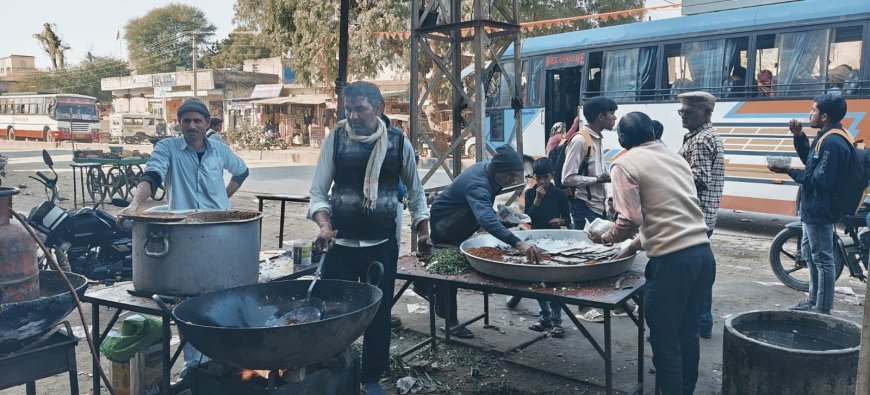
{"x":21,"y":321}
{"x":228,"y":325}
{"x":542,"y":273}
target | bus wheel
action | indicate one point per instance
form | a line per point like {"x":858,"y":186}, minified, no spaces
{"x":10,"y":133}
{"x":472,"y":151}
{"x":46,"y":135}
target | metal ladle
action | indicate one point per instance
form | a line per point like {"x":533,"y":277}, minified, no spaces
{"x":304,"y":311}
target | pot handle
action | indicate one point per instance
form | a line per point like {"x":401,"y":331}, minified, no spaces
{"x":154,"y":236}
{"x":378,"y":270}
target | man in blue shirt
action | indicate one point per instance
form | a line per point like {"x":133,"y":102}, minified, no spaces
{"x":191,"y":166}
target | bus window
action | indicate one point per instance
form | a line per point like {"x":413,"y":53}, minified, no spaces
{"x":714,"y":66}
{"x":628,"y":73}
{"x":536,"y":83}
{"x":794,"y":62}
{"x":845,"y":60}
{"x":593,"y":86}
{"x":502,"y":97}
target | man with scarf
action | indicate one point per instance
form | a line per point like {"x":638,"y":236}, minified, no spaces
{"x":362,"y":162}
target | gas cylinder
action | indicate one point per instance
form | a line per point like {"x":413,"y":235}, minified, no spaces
{"x":19,"y":273}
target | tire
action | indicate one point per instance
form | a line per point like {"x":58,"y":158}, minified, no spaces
{"x":10,"y":133}
{"x":59,"y":255}
{"x":787,"y":263}
{"x":46,"y":135}
{"x":472,"y":151}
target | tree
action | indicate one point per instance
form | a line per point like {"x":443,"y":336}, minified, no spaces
{"x":233,"y":50}
{"x":160,"y":41}
{"x":52,"y":44}
{"x":83,"y":79}
{"x":308,"y":31}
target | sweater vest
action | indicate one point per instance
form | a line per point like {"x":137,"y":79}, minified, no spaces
{"x":347,"y":199}
{"x":672,"y":217}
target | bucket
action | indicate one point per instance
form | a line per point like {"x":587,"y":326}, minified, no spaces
{"x":789,"y":352}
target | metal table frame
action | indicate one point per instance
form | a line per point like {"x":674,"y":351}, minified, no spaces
{"x":489,"y":285}
{"x":83,"y":167}
{"x":118,"y":297}
{"x":283,"y":199}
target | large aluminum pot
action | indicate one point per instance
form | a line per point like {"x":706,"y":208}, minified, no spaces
{"x":205,"y":252}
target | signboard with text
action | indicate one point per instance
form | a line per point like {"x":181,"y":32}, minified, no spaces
{"x":564,"y":60}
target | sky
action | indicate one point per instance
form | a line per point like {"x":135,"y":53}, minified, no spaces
{"x":88,"y":25}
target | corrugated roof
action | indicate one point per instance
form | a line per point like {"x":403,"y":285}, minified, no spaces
{"x":797,"y":14}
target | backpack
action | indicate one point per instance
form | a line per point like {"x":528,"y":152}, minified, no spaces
{"x":558,"y":156}
{"x":849,"y":192}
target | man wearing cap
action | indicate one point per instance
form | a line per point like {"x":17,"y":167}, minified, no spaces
{"x":191,"y":166}
{"x":215,"y":129}
{"x":703,"y":149}
{"x":464,"y":207}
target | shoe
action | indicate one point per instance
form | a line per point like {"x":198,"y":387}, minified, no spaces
{"x":557,"y":332}
{"x":462,"y":333}
{"x":541,"y":325}
{"x":592,"y":315}
{"x":804,"y":305}
{"x":183,"y":384}
{"x":373,"y":389}
{"x":395,"y":322}
{"x":513,"y":301}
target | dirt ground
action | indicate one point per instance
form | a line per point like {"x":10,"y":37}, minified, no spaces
{"x":491,"y":363}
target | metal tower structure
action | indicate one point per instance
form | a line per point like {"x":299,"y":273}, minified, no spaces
{"x":440,"y":31}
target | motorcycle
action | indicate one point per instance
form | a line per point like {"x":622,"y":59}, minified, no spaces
{"x":86,"y":241}
{"x":850,"y":251}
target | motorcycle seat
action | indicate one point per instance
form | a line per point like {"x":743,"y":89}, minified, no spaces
{"x":857,"y":221}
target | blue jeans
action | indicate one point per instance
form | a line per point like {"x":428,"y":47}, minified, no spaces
{"x":705,"y":319}
{"x":580,"y":214}
{"x":551,"y":313}
{"x":817,"y":247}
{"x":675,"y":286}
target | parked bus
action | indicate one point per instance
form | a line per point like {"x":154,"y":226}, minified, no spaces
{"x":49,"y":117}
{"x":134,"y":128}
{"x":764,"y":64}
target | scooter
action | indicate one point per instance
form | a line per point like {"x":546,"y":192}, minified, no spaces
{"x":853,"y":251}
{"x":86,"y":241}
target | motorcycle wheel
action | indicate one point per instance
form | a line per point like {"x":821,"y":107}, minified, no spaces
{"x":59,"y":255}
{"x":787,"y":263}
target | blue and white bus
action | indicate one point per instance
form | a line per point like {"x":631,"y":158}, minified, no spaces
{"x":763,"y":63}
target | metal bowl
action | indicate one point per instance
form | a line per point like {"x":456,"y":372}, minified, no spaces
{"x":20,"y":321}
{"x":543,"y":273}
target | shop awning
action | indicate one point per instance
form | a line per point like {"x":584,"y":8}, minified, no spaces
{"x":298,"y":99}
{"x":262,"y":91}
{"x":398,"y":93}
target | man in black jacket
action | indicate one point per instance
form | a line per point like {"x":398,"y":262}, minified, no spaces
{"x":825,"y":166}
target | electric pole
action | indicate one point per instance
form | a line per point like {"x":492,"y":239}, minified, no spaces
{"x":193,"y":61}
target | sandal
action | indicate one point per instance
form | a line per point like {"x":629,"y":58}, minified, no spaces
{"x":591,"y":316}
{"x":625,"y":313}
{"x":541,"y":326}
{"x":557,"y":332}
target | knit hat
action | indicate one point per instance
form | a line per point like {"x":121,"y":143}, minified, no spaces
{"x":506,"y":159}
{"x":193,"y":105}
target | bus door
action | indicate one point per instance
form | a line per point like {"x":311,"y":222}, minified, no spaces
{"x":562,"y":97}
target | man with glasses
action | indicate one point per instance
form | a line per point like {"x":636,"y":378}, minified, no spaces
{"x":703,"y":149}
